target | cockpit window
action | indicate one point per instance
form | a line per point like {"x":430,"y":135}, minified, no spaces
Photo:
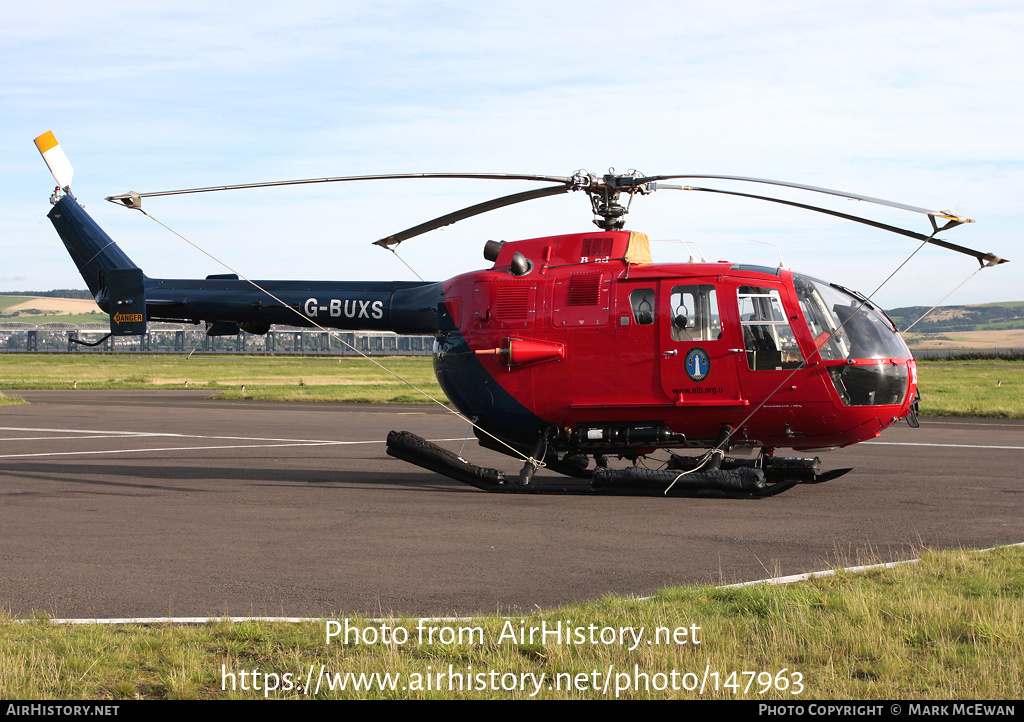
{"x":844,"y":326}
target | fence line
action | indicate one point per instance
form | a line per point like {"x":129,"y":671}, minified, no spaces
{"x":18,"y":337}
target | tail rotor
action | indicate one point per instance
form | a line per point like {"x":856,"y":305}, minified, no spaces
{"x":56,"y":160}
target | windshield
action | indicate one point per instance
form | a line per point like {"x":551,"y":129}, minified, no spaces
{"x":845,"y":327}
{"x":848,"y":328}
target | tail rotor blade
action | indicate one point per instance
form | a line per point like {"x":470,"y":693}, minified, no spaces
{"x":56,"y":161}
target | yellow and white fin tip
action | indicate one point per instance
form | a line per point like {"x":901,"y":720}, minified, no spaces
{"x":56,"y":161}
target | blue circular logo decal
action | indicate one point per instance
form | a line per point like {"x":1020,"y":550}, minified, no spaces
{"x":697,"y":364}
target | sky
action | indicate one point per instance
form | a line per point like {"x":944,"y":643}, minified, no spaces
{"x":916,"y":102}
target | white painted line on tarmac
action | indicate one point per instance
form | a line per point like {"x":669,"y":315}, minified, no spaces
{"x":129,"y":434}
{"x":947,"y":446}
{"x":292,"y":442}
{"x":75,"y":431}
{"x":177,"y":448}
{"x":932,"y":421}
{"x":106,"y":433}
{"x":64,"y":438}
{"x":832,"y":572}
{"x":793,"y":578}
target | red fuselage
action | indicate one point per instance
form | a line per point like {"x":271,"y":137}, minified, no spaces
{"x":593,"y":333}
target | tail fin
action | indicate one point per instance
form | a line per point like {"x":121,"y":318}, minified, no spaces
{"x":92,"y":250}
{"x":116,"y":283}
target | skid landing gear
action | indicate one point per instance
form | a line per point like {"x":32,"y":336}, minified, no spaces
{"x":776,"y":469}
{"x":721,"y":477}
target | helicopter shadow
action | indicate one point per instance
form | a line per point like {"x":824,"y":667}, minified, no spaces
{"x":219,"y":479}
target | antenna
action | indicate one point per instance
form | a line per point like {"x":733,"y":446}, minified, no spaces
{"x":782,"y":264}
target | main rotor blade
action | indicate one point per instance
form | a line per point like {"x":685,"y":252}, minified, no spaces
{"x":341,"y":179}
{"x":985,"y":259}
{"x":455,"y":216}
{"x":815,"y":189}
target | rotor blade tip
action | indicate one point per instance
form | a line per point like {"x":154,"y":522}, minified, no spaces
{"x":130,"y":199}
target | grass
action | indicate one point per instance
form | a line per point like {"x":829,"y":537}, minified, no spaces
{"x":949,"y":627}
{"x":998,"y":325}
{"x":991,"y":389}
{"x":265,"y":378}
{"x":6,"y":400}
{"x":75,"y":318}
{"x":8,"y":301}
{"x":383,"y":392}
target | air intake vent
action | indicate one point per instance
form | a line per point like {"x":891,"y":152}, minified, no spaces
{"x":511,"y":303}
{"x":585,"y":289}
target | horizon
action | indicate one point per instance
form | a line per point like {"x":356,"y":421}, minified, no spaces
{"x":43,"y":294}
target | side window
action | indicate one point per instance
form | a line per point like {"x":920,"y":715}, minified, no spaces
{"x":642,"y":301}
{"x":693,"y":313}
{"x":767,"y":335}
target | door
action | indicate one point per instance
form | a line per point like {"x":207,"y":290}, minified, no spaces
{"x":696,"y":364}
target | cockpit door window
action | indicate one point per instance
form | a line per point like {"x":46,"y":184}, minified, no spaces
{"x":767,"y":335}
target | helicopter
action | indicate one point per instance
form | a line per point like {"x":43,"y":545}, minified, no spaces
{"x":574,"y":349}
